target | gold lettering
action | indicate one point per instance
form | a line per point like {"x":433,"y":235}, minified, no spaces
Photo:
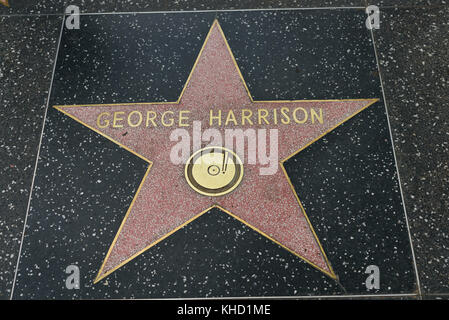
{"x":181,"y":118}
{"x":151,"y":118}
{"x":305,"y":115}
{"x":286,"y":118}
{"x":246,"y":115}
{"x":231,"y":117}
{"x":116,"y":119}
{"x":315,"y":115}
{"x":139,"y":117}
{"x":171,"y":121}
{"x":106,"y":121}
{"x":212,"y":117}
{"x":260,"y":116}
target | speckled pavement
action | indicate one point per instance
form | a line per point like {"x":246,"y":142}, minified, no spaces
{"x":365,"y":204}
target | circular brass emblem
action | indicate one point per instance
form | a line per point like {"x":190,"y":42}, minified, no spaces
{"x":214,"y":171}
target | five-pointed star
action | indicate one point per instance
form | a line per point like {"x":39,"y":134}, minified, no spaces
{"x":164,"y":202}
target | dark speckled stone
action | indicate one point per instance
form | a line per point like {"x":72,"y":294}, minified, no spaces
{"x":130,"y":6}
{"x":27,"y":52}
{"x":406,"y":3}
{"x":33,"y":7}
{"x":57,"y":6}
{"x":436,"y":297}
{"x":415,"y":67}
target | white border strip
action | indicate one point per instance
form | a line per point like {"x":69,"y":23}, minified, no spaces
{"x":229,"y":298}
{"x":396,"y":163}
{"x":37,"y":158}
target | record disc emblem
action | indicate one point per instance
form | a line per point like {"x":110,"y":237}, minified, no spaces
{"x":214,"y":171}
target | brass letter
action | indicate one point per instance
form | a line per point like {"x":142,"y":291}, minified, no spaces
{"x":138,"y":122}
{"x":305,"y":115}
{"x":114,"y":121}
{"x":151,"y":118}
{"x":247,"y":116}
{"x":171,"y":121}
{"x":264,"y":117}
{"x":181,"y":118}
{"x":284,"y":112}
{"x":212,"y":117}
{"x":231,"y":117}
{"x":106,"y":122}
{"x":315,"y":115}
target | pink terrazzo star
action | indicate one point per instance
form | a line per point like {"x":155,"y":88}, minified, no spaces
{"x":165,"y":202}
